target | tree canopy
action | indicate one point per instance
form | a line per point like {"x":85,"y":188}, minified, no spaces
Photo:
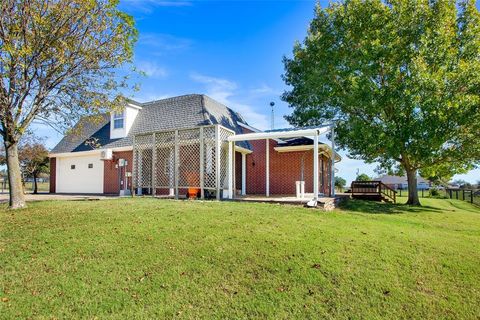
{"x":363,"y":177}
{"x":401,"y":78}
{"x":59,"y":60}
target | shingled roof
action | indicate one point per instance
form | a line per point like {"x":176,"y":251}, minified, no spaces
{"x":181,"y":112}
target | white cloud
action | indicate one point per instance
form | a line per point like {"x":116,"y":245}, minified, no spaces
{"x":147,"y":6}
{"x":265,"y":90}
{"x":152,"y":69}
{"x":226,"y":92}
{"x":159,"y":43}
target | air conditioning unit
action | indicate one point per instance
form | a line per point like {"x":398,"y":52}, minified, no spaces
{"x":106,"y":154}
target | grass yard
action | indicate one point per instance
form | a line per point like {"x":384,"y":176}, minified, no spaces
{"x":148,"y":258}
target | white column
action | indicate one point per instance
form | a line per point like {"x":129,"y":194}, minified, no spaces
{"x":230,"y":170}
{"x":217,"y":160}
{"x":315,"y":167}
{"x":267,"y":168}
{"x":332,"y":183}
{"x":177,"y":162}
{"x":244,"y":174}
{"x":154,"y":164}
{"x":202,"y":165}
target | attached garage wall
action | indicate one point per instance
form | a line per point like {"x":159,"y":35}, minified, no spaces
{"x":82,"y":179}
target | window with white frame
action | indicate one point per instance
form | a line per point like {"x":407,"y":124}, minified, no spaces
{"x":118,"y":120}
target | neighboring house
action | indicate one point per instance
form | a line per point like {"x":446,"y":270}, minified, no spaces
{"x":174,"y":145}
{"x":401,"y":183}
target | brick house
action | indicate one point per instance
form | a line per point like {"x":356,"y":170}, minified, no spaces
{"x":184,"y":145}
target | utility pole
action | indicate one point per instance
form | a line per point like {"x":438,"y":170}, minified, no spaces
{"x":272,"y":104}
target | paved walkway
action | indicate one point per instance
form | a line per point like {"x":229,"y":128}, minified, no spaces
{"x":48,"y":196}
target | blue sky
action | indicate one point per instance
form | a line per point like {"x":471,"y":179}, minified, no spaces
{"x":231,"y":51}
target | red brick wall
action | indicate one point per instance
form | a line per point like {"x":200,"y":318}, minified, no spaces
{"x":53,"y":174}
{"x":285,"y":169}
{"x":110,"y":175}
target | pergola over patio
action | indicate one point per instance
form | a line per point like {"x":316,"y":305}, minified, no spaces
{"x":313,"y":132}
{"x":200,"y":161}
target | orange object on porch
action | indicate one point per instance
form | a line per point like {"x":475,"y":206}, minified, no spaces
{"x":192,"y":179}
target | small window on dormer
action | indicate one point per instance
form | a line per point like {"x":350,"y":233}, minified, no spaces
{"x":118,"y":120}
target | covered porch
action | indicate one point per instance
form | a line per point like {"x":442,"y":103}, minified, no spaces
{"x":272,"y":149}
{"x":217,"y":162}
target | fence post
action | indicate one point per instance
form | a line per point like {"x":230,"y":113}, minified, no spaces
{"x":423,"y":196}
{"x":463,"y":194}
{"x":471,"y":196}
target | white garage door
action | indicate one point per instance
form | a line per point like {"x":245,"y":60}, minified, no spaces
{"x":82,"y":174}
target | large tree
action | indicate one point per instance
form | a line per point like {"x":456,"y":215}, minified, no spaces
{"x":59,"y":60}
{"x":401,"y":79}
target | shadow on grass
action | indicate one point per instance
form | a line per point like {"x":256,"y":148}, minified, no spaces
{"x":375,"y":207}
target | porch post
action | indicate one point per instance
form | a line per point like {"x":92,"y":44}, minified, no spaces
{"x":230,"y":170}
{"x":244,"y":174}
{"x":267,"y":167}
{"x":176,"y":161}
{"x":315,"y":167}
{"x":154,"y":164}
{"x":332,"y":174}
{"x":134,"y":168}
{"x":140,"y":173}
{"x":202,"y":166}
{"x":218,"y":163}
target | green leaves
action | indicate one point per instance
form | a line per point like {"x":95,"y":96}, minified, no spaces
{"x":401,"y":77}
{"x":61,"y":60}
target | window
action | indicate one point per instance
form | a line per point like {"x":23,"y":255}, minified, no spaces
{"x":72,"y":167}
{"x":118,"y":120}
{"x":90,"y":165}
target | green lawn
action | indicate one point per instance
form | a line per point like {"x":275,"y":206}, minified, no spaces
{"x":148,"y":258}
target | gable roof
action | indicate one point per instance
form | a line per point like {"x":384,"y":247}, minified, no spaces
{"x":181,"y":112}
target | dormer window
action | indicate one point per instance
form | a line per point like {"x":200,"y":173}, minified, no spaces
{"x":118,"y":120}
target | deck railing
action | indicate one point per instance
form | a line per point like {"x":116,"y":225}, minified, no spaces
{"x":373,"y":188}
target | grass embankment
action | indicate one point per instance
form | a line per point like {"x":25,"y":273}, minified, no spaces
{"x":148,"y":258}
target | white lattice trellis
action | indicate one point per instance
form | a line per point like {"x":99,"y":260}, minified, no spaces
{"x":183,"y":159}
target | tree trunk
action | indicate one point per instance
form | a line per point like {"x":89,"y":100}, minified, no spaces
{"x":35,"y":186}
{"x":17,"y":197}
{"x":412,"y":187}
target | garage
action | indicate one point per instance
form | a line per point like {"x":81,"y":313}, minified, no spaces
{"x":79,"y":174}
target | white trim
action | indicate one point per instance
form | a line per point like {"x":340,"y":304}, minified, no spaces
{"x":315,"y":168}
{"x":307,"y":147}
{"x":244,"y":174}
{"x":242,"y":150}
{"x":279,"y":134}
{"x":84,"y":153}
{"x":230,"y":170}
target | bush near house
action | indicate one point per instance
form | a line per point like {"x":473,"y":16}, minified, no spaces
{"x":149,"y":258}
